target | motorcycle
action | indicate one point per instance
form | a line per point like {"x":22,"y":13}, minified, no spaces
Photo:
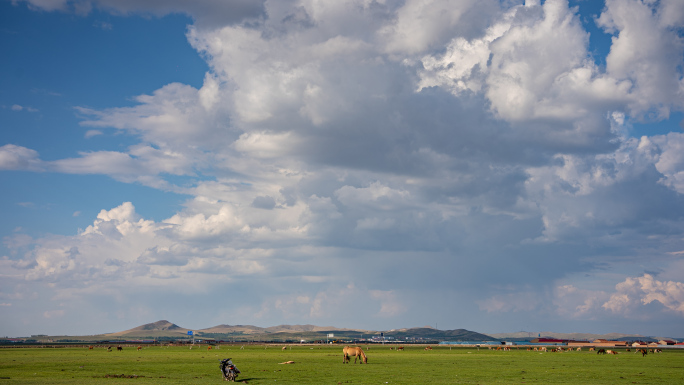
{"x":229,"y":370}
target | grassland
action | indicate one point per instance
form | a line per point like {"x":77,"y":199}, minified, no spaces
{"x":315,"y":364}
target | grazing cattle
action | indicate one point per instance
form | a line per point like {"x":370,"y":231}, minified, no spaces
{"x":643,"y":352}
{"x":543,"y":348}
{"x":139,"y":348}
{"x":90,"y":347}
{"x":657,"y":351}
{"x":356,"y":352}
{"x":209,"y":347}
{"x":591,"y":349}
{"x":428,"y":348}
{"x":284,"y":347}
{"x":109,"y":348}
{"x":611,"y":352}
{"x":400,"y":348}
{"x":579,"y":349}
{"x":601,"y":351}
{"x":119,"y":348}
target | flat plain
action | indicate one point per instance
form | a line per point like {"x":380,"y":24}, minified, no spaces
{"x":322,"y":364}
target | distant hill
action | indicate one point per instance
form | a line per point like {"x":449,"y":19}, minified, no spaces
{"x":428,"y":333}
{"x":155,"y":329}
{"x":307,"y":328}
{"x":250,"y":330}
{"x":236,"y":329}
{"x":165,"y":330}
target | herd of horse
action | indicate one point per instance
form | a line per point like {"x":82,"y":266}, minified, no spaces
{"x":642,"y":351}
{"x":358,"y":354}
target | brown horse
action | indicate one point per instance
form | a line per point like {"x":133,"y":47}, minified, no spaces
{"x":356,"y":352}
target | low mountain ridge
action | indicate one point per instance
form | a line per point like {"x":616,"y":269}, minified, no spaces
{"x":164,"y":329}
{"x":153,"y":329}
{"x":565,"y":336}
{"x":249,"y":329}
{"x":427,"y":333}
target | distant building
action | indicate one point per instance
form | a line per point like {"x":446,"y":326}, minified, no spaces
{"x":551,"y":341}
{"x":642,"y":344}
{"x":599,"y":343}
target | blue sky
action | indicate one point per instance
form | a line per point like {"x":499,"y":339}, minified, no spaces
{"x":96,"y":61}
{"x":488,"y":165}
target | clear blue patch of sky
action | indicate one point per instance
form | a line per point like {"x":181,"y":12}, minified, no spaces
{"x":599,"y":40}
{"x":54,"y":62}
{"x":674,"y":124}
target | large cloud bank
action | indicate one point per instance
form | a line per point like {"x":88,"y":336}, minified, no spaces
{"x":461,"y":159}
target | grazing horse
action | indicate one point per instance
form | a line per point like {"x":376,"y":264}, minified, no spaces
{"x":643,"y":352}
{"x":284,"y":347}
{"x":428,"y":348}
{"x":119,"y":348}
{"x":139,"y":348}
{"x":400,"y":348}
{"x":356,"y":352}
{"x":209,"y":347}
{"x":601,"y":351}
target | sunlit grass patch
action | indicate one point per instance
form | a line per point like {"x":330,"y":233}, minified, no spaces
{"x":322,"y":364}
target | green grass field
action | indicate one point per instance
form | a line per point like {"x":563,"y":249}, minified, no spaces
{"x":259,"y":364}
